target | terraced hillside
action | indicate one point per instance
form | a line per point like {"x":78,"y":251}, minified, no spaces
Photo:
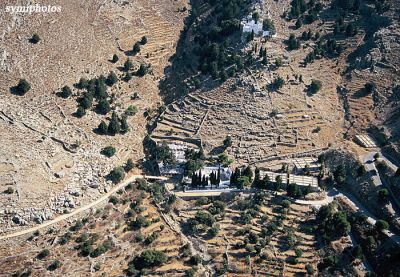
{"x":255,"y":236}
{"x":51,"y":159}
{"x":102,"y":243}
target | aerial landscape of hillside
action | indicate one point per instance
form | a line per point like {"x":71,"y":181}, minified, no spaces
{"x":200,"y":138}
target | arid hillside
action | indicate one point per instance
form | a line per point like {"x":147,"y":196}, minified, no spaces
{"x":49,"y":157}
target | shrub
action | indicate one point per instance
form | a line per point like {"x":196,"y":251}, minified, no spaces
{"x":129,"y":165}
{"x":195,"y":260}
{"x":278,"y":82}
{"x":116,"y":175}
{"x":34,"y":39}
{"x":80,"y":111}
{"x":22,"y":87}
{"x":202,"y":201}
{"x":54,"y":265}
{"x":381,"y":225}
{"x":149,"y":259}
{"x":43,"y":254}
{"x":114,"y":200}
{"x":131,"y":110}
{"x":108,"y":151}
{"x":111,"y":79}
{"x":315,"y":86}
{"x":102,"y":128}
{"x":65,"y":92}
{"x":136,"y":48}
{"x":142,"y":70}
{"x":369,"y":87}
{"x":114,"y":58}
{"x":128,"y":65}
{"x":143,"y":41}
{"x":9,"y":190}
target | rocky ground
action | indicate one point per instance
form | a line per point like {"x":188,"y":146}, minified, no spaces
{"x":50,"y":158}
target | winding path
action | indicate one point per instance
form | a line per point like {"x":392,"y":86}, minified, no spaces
{"x":80,"y":209}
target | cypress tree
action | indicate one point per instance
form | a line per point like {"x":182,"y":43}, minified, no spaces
{"x":102,"y":128}
{"x":124,"y":125}
{"x":114,"y":127}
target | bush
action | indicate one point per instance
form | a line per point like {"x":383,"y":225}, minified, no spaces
{"x":65,"y":92}
{"x":278,"y":82}
{"x":22,"y":87}
{"x":108,"y":151}
{"x":129,"y":165}
{"x":102,"y":129}
{"x":369,"y":87}
{"x":143,"y":41}
{"x":315,"y":86}
{"x":116,"y":175}
{"x":34,"y":39}
{"x":9,"y":190}
{"x":149,"y":259}
{"x":111,"y":79}
{"x":383,"y":194}
{"x":136,"y":48}
{"x":128,"y":65}
{"x":114,"y":58}
{"x":142,"y":70}
{"x":43,"y":254}
{"x":114,"y":200}
{"x":195,"y":260}
{"x":131,"y":110}
{"x":54,"y":265}
{"x":381,"y":225}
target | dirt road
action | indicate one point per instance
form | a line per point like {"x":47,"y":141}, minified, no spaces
{"x":80,"y":209}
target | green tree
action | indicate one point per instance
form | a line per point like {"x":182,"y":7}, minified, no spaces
{"x":381,"y":225}
{"x":383,"y":195}
{"x":113,"y":127}
{"x":128,"y":65}
{"x":114,"y":58}
{"x":22,"y":87}
{"x":102,"y":128}
{"x":129,"y":165}
{"x":111,"y":78}
{"x":124,"y":124}
{"x":315,"y":86}
{"x":34,"y":39}
{"x":103,"y":107}
{"x":116,"y":175}
{"x":142,"y":70}
{"x":108,"y":151}
{"x":293,"y":42}
{"x":65,"y":92}
{"x":136,"y":48}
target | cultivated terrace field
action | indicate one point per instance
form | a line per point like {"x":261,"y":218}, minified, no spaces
{"x":253,"y":235}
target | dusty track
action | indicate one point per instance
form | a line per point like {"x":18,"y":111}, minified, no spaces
{"x":81,"y":209}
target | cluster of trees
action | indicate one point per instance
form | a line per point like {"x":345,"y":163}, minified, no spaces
{"x":242,"y":178}
{"x":199,"y":180}
{"x":115,"y":126}
{"x":349,"y":29}
{"x":293,"y":43}
{"x":324,"y":48}
{"x":194,"y":161}
{"x":213,"y":45}
{"x":141,"y":71}
{"x":332,"y":224}
{"x":96,"y":88}
{"x":307,"y":12}
{"x":117,"y":174}
{"x":164,"y":154}
{"x":347,"y":5}
{"x":146,"y":259}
